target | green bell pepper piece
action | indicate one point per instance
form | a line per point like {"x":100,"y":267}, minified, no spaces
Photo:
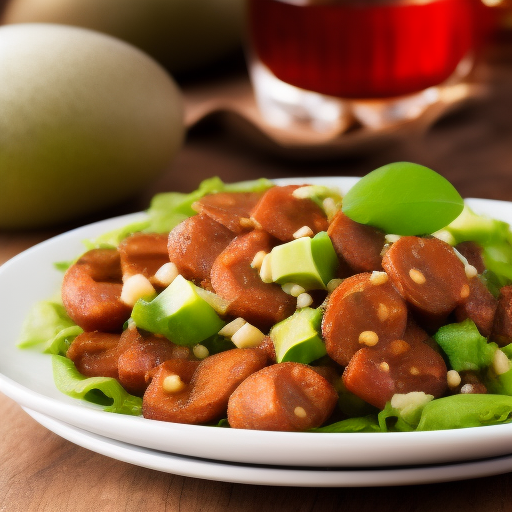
{"x":464,"y":346}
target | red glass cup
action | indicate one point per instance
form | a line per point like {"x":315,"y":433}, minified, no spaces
{"x":321,"y":62}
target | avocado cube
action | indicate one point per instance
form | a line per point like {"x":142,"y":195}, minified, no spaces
{"x":179,"y":314}
{"x":297,"y":338}
{"x":308,"y":262}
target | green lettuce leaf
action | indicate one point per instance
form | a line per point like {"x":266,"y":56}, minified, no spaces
{"x":405,"y":410}
{"x":44,"y":322}
{"x":112,"y":239}
{"x":494,"y":236}
{"x":466,"y":410}
{"x":104,"y":391}
{"x":169,"y":209}
{"x":361,"y":424}
{"x":60,"y":343}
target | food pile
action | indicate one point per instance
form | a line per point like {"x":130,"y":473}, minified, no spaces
{"x":268,"y":307}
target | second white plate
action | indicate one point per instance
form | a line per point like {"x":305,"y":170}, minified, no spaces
{"x":274,"y":475}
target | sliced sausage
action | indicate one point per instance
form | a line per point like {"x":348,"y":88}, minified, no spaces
{"x":194,"y":244}
{"x":281,"y":214}
{"x":376,"y":373}
{"x":206,"y":388}
{"x":143,"y":253}
{"x":357,"y":245}
{"x":287,"y":397}
{"x":267,"y":345}
{"x":502,"y":328}
{"x":428,"y":275}
{"x":141,"y":354}
{"x":480,"y":307}
{"x":231,"y":209}
{"x":233,"y":278}
{"x":91,"y":292}
{"x":95,"y":354}
{"x":473,"y":253}
{"x":470,"y":384}
{"x":363,"y":310}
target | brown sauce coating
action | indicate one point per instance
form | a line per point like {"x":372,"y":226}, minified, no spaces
{"x":281,"y":214}
{"x":95,"y":354}
{"x":233,"y":278}
{"x":267,"y":346}
{"x":195,"y":243}
{"x":231,"y":209}
{"x":470,"y":384}
{"x":357,"y":245}
{"x":404,"y":365}
{"x":143,"y":253}
{"x":208,"y":386}
{"x":502,"y":328}
{"x":480,"y":307}
{"x":142,"y":353}
{"x":288,"y":397}
{"x":91,"y":292}
{"x":358,"y":313}
{"x":473,"y":253}
{"x":428,"y":274}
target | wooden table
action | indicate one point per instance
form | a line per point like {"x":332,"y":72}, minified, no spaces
{"x":40,"y":471}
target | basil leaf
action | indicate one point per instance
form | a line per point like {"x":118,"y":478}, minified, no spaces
{"x":403,"y":198}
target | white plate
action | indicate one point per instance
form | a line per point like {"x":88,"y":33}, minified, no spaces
{"x":26,"y":377}
{"x":273,"y":475}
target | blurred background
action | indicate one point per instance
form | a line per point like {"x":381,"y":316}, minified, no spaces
{"x":316,"y":87}
{"x":90,"y":129}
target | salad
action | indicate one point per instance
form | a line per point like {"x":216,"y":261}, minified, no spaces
{"x":292,"y":308}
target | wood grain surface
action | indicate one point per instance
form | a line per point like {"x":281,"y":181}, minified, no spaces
{"x":40,"y":471}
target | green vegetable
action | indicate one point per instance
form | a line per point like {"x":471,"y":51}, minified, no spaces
{"x":308,"y":262}
{"x":178,"y":313}
{"x":361,"y":424}
{"x":60,"y":343}
{"x":462,"y":411}
{"x":495,"y":238}
{"x":104,"y":391}
{"x":464,"y":346}
{"x":404,"y":199}
{"x":217,"y":343}
{"x":169,"y":209}
{"x":44,"y":322}
{"x":113,"y":238}
{"x":451,"y":412}
{"x":318,"y":193}
{"x":406,"y":409}
{"x":500,"y":384}
{"x":297,"y":338}
{"x":62,"y":266}
{"x":351,"y":405}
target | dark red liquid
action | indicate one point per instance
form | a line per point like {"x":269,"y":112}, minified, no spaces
{"x":363,"y":50}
